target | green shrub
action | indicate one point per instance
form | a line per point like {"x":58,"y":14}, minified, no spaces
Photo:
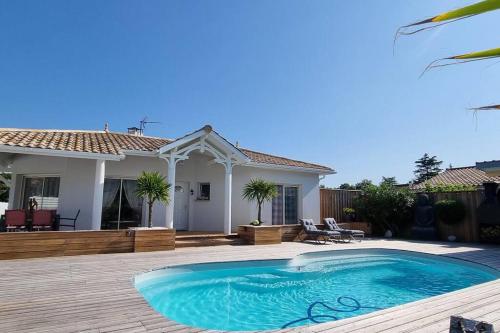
{"x":440,"y":188}
{"x":386,"y":206}
{"x":349,"y":211}
{"x":450,"y":211}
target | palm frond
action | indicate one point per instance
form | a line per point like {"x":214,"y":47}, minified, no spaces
{"x":152,"y":186}
{"x":449,"y":17}
{"x":464,"y":58}
{"x":487,"y":108}
{"x":259,"y":190}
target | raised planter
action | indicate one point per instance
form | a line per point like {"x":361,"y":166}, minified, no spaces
{"x":260,"y":235}
{"x":153,"y":239}
{"x":38,"y":244}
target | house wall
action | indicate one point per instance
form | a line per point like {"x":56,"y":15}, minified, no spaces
{"x":77,"y":182}
{"x":244,"y":212}
{"x":77,"y":177}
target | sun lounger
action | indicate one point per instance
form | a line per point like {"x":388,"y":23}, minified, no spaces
{"x":332,"y":225}
{"x":310,"y":230}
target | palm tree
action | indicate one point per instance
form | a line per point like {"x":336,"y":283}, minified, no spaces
{"x":259,"y":190}
{"x":152,"y":187}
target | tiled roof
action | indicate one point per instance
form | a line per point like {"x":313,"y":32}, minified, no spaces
{"x":102,"y":142}
{"x":79,"y":141}
{"x":459,"y":176}
{"x":271,"y":159}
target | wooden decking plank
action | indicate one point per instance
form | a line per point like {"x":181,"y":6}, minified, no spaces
{"x":95,"y":293}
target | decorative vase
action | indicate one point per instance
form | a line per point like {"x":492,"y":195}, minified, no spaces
{"x":388,"y":234}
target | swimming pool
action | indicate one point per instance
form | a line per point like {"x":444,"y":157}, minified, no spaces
{"x":308,"y":289}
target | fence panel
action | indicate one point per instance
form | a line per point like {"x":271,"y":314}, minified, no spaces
{"x":468,"y":229}
{"x":333,"y":201}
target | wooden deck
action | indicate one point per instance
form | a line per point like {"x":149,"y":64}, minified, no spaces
{"x":95,"y":293}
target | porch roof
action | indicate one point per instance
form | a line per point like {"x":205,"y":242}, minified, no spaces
{"x":113,"y":144}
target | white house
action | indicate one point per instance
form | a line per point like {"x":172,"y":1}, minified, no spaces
{"x":95,"y":172}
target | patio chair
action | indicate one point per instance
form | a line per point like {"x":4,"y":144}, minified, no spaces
{"x":350,"y":234}
{"x":309,"y":229}
{"x":15,"y":220}
{"x":43,"y":219}
{"x":71,"y":221}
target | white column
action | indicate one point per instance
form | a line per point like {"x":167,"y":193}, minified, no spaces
{"x":171,"y":192}
{"x":100,"y":168}
{"x":227,"y":197}
{"x":12,"y":191}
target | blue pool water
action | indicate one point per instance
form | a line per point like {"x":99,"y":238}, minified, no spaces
{"x":311,"y":288}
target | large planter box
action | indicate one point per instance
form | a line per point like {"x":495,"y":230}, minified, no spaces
{"x":153,"y":239}
{"x":260,"y":235}
{"x":39,"y":244}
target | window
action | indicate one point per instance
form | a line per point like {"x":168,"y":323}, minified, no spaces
{"x":41,"y":192}
{"x":204,"y":191}
{"x":121,"y":207}
{"x":285,"y":206}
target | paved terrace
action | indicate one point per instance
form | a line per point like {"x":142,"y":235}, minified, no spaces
{"x":95,"y":293}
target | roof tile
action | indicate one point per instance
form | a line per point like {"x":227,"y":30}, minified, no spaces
{"x":115,"y":143}
{"x":459,"y":176}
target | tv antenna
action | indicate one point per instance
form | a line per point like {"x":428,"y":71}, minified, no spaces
{"x":143,"y":123}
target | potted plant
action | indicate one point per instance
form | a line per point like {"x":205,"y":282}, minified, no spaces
{"x":450,"y":212}
{"x":259,"y":190}
{"x":152,"y":187}
{"x":350,"y":214}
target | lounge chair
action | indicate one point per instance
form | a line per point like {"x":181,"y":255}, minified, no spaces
{"x":72,"y":221}
{"x":15,"y":220}
{"x":309,"y":229}
{"x":43,"y":219}
{"x":332,"y":225}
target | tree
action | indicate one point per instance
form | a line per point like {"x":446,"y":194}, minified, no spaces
{"x":152,"y":187}
{"x":426,"y":167}
{"x":259,"y":190}
{"x":389,"y":181}
{"x":362,"y":185}
{"x":346,"y":186}
{"x":387,"y":207}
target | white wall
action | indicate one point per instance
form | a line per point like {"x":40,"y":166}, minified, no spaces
{"x":77,"y":181}
{"x":76,"y":189}
{"x":204,"y":215}
{"x":244,"y":212}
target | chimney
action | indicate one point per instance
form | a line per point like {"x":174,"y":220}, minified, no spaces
{"x":106,"y":127}
{"x":134,"y":131}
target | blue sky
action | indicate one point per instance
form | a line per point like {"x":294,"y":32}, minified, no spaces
{"x":311,"y":80}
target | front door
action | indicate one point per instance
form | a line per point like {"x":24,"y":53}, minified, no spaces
{"x":181,"y":206}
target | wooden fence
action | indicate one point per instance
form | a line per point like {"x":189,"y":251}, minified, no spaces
{"x":333,"y":201}
{"x":468,"y":229}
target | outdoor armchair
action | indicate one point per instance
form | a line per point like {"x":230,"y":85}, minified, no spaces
{"x":15,"y":219}
{"x":70,"y":221}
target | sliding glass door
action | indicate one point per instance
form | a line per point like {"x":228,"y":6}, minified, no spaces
{"x":121,"y":207}
{"x":285,"y":207}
